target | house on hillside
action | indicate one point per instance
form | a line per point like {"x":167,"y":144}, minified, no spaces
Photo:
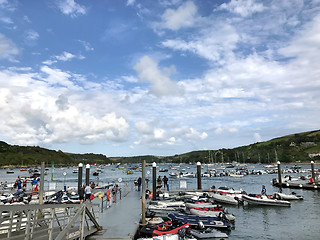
{"x":314,"y":154}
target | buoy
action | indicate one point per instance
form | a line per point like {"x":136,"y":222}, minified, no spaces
{"x":300,"y":185}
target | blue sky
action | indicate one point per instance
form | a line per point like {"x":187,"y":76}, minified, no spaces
{"x":161,"y":77}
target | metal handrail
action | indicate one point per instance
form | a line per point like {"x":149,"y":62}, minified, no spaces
{"x":58,"y":221}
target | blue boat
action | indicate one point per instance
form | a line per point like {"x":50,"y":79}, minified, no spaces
{"x":194,"y":220}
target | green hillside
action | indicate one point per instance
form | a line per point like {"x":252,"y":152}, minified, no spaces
{"x":290,"y":148}
{"x":33,"y":156}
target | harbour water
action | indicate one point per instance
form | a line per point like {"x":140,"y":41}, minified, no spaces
{"x":300,"y":221}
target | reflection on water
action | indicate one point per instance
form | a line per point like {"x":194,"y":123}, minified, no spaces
{"x":300,"y":221}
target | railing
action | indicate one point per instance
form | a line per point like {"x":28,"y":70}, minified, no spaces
{"x":60,"y":221}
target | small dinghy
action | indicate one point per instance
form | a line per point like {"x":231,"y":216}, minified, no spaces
{"x":201,"y":205}
{"x":169,"y":227}
{"x":207,"y":233}
{"x":264,"y":200}
{"x":155,"y":220}
{"x":194,"y":220}
{"x":284,"y":196}
{"x":233,"y":199}
{"x":207,"y":212}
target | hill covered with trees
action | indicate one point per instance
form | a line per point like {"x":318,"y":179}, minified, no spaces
{"x":301,"y":147}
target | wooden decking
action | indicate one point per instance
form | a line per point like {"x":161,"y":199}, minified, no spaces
{"x":121,"y":220}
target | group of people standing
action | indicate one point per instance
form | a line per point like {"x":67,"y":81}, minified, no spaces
{"x":22,"y":184}
{"x":138,"y":183}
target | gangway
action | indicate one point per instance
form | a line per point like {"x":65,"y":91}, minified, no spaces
{"x":49,"y":221}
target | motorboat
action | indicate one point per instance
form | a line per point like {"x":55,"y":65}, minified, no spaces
{"x":194,"y":220}
{"x":285,"y":196}
{"x":265,"y":200}
{"x":212,"y":212}
{"x":164,"y":228}
{"x":207,"y":233}
{"x":233,"y":199}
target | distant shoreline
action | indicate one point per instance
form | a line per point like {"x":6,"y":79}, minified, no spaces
{"x":38,"y":166}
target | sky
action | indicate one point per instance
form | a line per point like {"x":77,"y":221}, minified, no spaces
{"x":160,"y":77}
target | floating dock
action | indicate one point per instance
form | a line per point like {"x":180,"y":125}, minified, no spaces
{"x":121,"y":220}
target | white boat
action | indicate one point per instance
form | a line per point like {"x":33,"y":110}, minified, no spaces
{"x":233,"y":199}
{"x":200,"y":205}
{"x":271,"y":167}
{"x":168,"y":237}
{"x":208,"y":233}
{"x":209,"y":213}
{"x":235,"y":175}
{"x":284,"y":196}
{"x":171,"y":204}
{"x":264,"y":200}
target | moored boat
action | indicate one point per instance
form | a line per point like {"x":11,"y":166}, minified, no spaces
{"x":264,"y":200}
{"x":194,"y":220}
{"x":208,"y":233}
{"x":285,"y":196}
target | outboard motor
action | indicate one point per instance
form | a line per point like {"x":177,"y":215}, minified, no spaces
{"x":200,"y":225}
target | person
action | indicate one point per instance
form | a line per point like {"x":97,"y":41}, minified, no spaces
{"x":136,"y":184}
{"x":34,"y":183}
{"x":159,"y":182}
{"x":24,"y":183}
{"x":165,"y":182}
{"x":19,"y":182}
{"x":114,"y":192}
{"x":81,"y":194}
{"x":88,"y":192}
{"x":263,"y":191}
{"x":139,"y":184}
{"x":148,"y":193}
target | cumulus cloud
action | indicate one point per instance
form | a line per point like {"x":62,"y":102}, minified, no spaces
{"x":215,"y":43}
{"x":65,"y":56}
{"x":244,"y":8}
{"x":8,"y":49}
{"x":182,"y":17}
{"x":35,"y":110}
{"x":149,"y":71}
{"x":71,"y":8}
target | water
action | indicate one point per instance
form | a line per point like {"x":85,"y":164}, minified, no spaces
{"x":300,"y":221}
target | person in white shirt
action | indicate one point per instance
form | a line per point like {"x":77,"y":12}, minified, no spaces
{"x":88,"y":192}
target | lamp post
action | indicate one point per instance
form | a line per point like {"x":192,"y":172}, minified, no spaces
{"x":199,"y":175}
{"x":80,"y":166}
{"x":154,"y":180}
{"x":87,"y":174}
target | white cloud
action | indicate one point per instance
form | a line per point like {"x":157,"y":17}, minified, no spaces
{"x":86,"y":45}
{"x":65,"y":56}
{"x":182,"y":17}
{"x":175,"y":19}
{"x":244,"y":8}
{"x":216,"y":43}
{"x":31,"y":35}
{"x":130,"y":2}
{"x":8,"y":49}
{"x":35,"y":110}
{"x":149,"y":71}
{"x":71,"y":8}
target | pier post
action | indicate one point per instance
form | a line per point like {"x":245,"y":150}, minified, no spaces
{"x":154,"y":180}
{"x":199,"y":175}
{"x":143,"y":196}
{"x":41,"y":183}
{"x":313,"y":175}
{"x":279,"y":175}
{"x":80,"y":176}
{"x":87,"y":174}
